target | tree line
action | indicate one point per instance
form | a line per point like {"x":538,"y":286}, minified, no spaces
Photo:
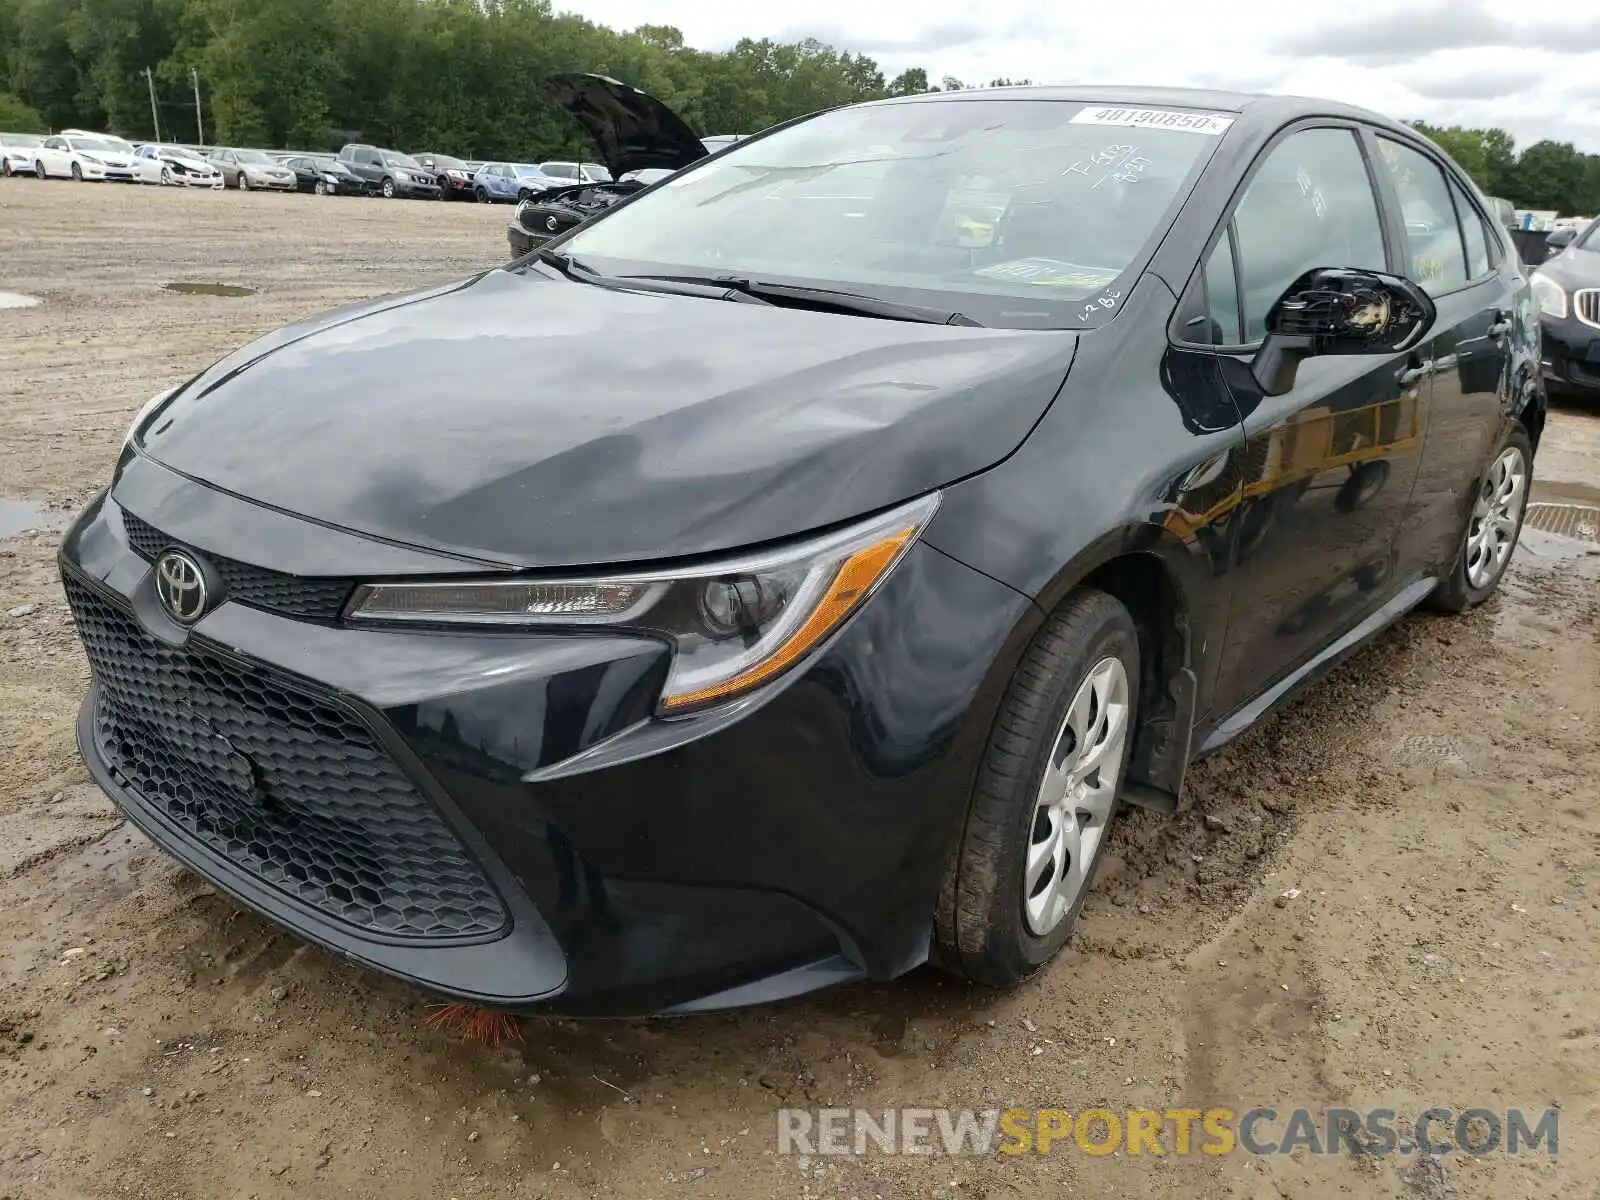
{"x":452,"y":76}
{"x":463,"y":77}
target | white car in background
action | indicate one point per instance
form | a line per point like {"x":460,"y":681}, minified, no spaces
{"x":156,"y":162}
{"x":19,"y":152}
{"x":84,"y":156}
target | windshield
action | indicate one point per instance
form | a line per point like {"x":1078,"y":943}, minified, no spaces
{"x":527,"y":169}
{"x":90,"y":143}
{"x":445,"y":163}
{"x":393,"y":159}
{"x":19,"y":140}
{"x":970,"y":205}
{"x":179,"y":152}
{"x":596,"y":172}
{"x":254,"y":158}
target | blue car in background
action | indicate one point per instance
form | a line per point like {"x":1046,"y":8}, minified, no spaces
{"x":511,"y":182}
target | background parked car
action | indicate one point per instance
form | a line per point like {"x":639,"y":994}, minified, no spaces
{"x":1566,"y":293}
{"x":18,"y":152}
{"x":83,"y":156}
{"x":452,"y":175}
{"x":389,"y":172}
{"x":246,"y":169}
{"x":571,"y":172}
{"x":511,"y":182}
{"x":162,"y":163}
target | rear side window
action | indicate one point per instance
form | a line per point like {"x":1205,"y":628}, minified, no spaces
{"x":1438,"y":251}
{"x":1309,"y":204}
{"x":1473,"y":234}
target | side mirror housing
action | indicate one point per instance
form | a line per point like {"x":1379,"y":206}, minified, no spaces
{"x":1559,"y":239}
{"x":1336,"y":310}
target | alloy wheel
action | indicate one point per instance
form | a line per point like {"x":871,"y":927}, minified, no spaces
{"x":244,"y":184}
{"x":166,"y":175}
{"x":1496,"y":517}
{"x":1076,"y":797}
{"x":38,"y":169}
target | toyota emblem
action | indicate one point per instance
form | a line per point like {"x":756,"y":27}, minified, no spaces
{"x":181,"y":587}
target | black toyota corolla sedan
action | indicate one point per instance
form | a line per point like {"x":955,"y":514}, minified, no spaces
{"x":926,"y":478}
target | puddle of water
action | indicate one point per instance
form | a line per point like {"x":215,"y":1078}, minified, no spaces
{"x":210,"y":289}
{"x":19,"y":516}
{"x":17,"y":300}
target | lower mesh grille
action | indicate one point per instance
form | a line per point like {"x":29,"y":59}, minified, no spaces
{"x":291,"y":787}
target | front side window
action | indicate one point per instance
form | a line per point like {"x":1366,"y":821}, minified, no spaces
{"x":1438,"y":254}
{"x":1309,"y":204}
{"x":1018,"y":212}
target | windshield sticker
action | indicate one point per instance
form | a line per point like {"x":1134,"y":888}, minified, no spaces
{"x":1210,"y":124}
{"x":1104,"y":302}
{"x":1049,"y":272}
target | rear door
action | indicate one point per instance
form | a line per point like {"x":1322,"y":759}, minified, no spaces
{"x":1327,"y":467}
{"x":1482,"y":337}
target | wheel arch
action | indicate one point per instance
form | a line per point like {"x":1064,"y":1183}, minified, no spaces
{"x":1144,"y":569}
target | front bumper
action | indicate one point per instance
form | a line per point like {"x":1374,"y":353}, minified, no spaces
{"x":417,"y":191}
{"x":521,"y":241}
{"x":1571,"y":353}
{"x":21,"y":163}
{"x":500,"y":817}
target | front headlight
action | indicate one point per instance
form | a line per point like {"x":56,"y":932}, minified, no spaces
{"x":330,"y":179}
{"x":733,"y":624}
{"x":1549,"y":296}
{"x":150,"y":406}
{"x":89,"y":158}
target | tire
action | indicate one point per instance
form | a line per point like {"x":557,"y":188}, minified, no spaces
{"x":244,"y":184}
{"x":77,"y":173}
{"x":984,"y":927}
{"x":38,"y":169}
{"x":387,"y":188}
{"x":1466,"y":586}
{"x":481,"y":196}
{"x":166,"y":176}
{"x":319,"y":188}
{"x":5,"y":168}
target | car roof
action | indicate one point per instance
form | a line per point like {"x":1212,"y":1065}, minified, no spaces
{"x":1256,"y":106}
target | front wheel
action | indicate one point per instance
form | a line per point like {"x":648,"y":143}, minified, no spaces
{"x":38,"y":169}
{"x":319,"y":188}
{"x":166,"y":176}
{"x":388,"y":189}
{"x":5,"y":168}
{"x":1493,"y":527}
{"x":1036,"y":827}
{"x":77,"y":173}
{"x":244,"y":184}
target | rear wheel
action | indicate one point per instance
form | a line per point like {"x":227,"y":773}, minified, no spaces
{"x":1493,"y":527}
{"x":1045,"y":796}
{"x":481,"y":196}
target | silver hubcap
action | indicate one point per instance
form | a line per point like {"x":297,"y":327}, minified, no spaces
{"x":1495,"y":517}
{"x":1075,"y":797}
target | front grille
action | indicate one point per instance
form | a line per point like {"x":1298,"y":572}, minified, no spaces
{"x":1586,"y":305}
{"x":289,"y":786}
{"x":305,"y":597}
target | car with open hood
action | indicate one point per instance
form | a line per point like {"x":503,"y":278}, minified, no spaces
{"x":862,"y":516}
{"x":634,"y":133}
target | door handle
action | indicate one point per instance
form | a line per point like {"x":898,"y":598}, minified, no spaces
{"x":1415,"y":371}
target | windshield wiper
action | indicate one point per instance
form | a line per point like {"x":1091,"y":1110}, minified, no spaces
{"x":795,"y":295}
{"x":710,"y":289}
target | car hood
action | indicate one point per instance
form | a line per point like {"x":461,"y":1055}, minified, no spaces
{"x":531,"y":421}
{"x":631,"y":130}
{"x":1573,"y":268}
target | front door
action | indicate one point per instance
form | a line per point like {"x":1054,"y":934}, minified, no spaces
{"x":1328,"y":467}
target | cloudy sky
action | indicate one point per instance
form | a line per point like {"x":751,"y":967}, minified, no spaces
{"x":1447,"y":61}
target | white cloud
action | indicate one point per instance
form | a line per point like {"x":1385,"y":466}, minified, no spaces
{"x":1453,"y":63}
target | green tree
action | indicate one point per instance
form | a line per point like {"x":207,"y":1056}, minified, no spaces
{"x":1551,"y":175}
{"x":17,"y":117}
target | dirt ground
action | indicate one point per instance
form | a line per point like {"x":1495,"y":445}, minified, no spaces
{"x":1434,"y":807}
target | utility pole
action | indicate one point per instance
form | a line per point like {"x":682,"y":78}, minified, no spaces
{"x":199,"y":129}
{"x":154,"y":119}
